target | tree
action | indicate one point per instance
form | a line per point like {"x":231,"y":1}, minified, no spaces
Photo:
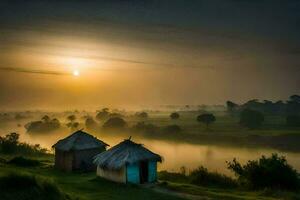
{"x":142,"y":115}
{"x":206,"y":119}
{"x":102,"y":114}
{"x":231,"y":107}
{"x":90,"y":123}
{"x":251,"y":118}
{"x":115,"y":122}
{"x":266,"y":172}
{"x":174,"y":115}
{"x":293,"y":120}
{"x":46,"y":118}
{"x":71,"y":118}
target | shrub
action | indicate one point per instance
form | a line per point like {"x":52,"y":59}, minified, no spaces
{"x":203,"y":177}
{"x":102,"y":114}
{"x":10,"y":144}
{"x":24,"y":187}
{"x":24,"y":162}
{"x":90,"y":123}
{"x":145,"y":128}
{"x":142,"y":115}
{"x":115,"y":122}
{"x":293,"y":120}
{"x":45,"y":125}
{"x":172,"y":129}
{"x":173,"y":177}
{"x":266,"y":172}
{"x":251,"y":118}
{"x":174,"y":115}
{"x":206,"y":118}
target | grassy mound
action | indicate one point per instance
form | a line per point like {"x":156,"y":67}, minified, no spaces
{"x":24,"y":162}
{"x":27,"y":187}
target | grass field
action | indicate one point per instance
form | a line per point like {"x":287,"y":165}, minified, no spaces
{"x":87,"y":186}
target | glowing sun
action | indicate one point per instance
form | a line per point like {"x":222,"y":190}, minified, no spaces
{"x":76,"y":72}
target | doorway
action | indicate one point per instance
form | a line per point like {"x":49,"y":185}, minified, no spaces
{"x":143,"y":171}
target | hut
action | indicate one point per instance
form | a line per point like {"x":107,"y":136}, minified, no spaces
{"x":128,"y":162}
{"x":76,"y":152}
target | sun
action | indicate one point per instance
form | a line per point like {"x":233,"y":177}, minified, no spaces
{"x":76,"y":72}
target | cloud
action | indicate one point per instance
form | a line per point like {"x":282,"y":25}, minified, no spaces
{"x":32,"y":71}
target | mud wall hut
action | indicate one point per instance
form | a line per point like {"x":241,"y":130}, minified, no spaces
{"x":128,"y":162}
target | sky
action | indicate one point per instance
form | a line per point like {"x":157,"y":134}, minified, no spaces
{"x":127,"y":53}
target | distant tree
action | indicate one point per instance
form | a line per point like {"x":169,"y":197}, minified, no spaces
{"x":115,"y":122}
{"x":142,"y":115}
{"x":46,"y":118}
{"x":102,"y":114}
{"x":231,"y":107}
{"x":251,"y":118}
{"x":293,"y":120}
{"x":71,"y":118}
{"x":295,"y":98}
{"x":206,"y":119}
{"x":172,"y":129}
{"x":145,"y":128}
{"x":90,"y":123}
{"x":174,"y":115}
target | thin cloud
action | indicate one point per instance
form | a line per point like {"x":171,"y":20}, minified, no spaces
{"x":32,"y":71}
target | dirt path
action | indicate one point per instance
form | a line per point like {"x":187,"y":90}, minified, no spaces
{"x":159,"y":189}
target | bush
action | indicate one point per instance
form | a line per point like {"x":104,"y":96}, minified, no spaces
{"x":174,"y":115}
{"x":142,"y":115}
{"x":145,"y":128}
{"x":203,"y":177}
{"x":251,"y":118}
{"x":206,"y":118}
{"x":24,"y":162}
{"x":24,"y":187}
{"x":173,"y":177}
{"x":90,"y":123}
{"x":10,"y":144}
{"x":267,"y":172}
{"x":172,"y":129}
{"x":115,"y":122}
{"x":293,"y":120}
{"x":46,"y":125}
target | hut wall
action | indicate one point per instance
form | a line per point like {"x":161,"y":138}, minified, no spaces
{"x":83,"y":159}
{"x":113,"y":175}
{"x":63,"y":160}
{"x":133,"y":173}
{"x":152,"y":171}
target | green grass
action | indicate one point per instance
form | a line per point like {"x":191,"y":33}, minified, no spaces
{"x":229,"y":194}
{"x":86,"y":186}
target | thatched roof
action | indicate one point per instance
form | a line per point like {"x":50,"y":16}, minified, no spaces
{"x":126,"y":152}
{"x":79,"y":141}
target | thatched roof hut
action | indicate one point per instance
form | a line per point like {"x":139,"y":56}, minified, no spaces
{"x":128,"y":162}
{"x":77,"y":151}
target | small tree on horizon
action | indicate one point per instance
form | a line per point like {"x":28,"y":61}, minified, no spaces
{"x":174,"y":115}
{"x":207,"y":119}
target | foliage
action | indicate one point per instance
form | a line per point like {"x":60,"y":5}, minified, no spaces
{"x":251,"y":118}
{"x":23,"y":187}
{"x":293,"y":120}
{"x":231,"y":107}
{"x":172,"y":129}
{"x":201,"y":176}
{"x":206,"y":118}
{"x":90,"y":123}
{"x":10,"y":144}
{"x":145,"y":128}
{"x":71,"y":118}
{"x":24,"y":162}
{"x":266,"y":172}
{"x":45,"y":125}
{"x":115,"y":122}
{"x":142,"y":115}
{"x":174,"y":115}
{"x":102,"y":114}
